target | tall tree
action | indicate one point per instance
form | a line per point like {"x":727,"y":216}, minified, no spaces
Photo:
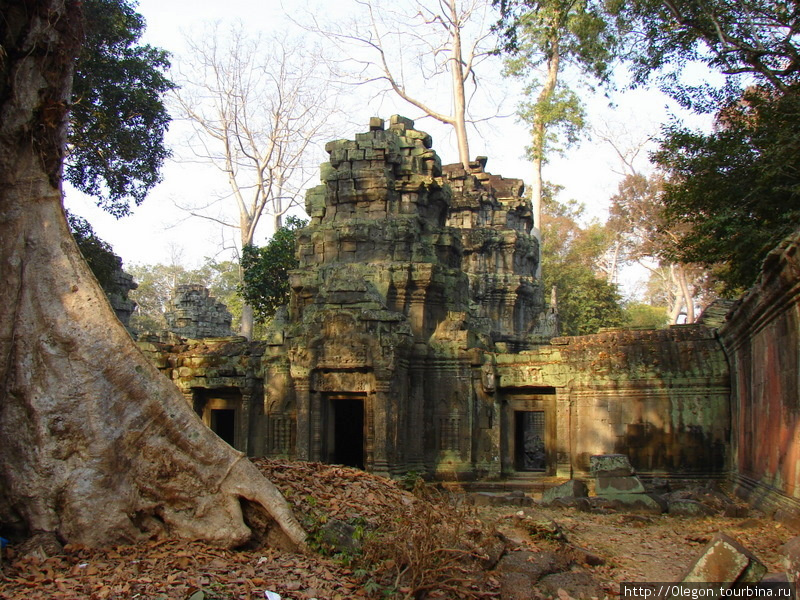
{"x":258,"y":108}
{"x":637,"y":215}
{"x":570,"y":253}
{"x":118,"y":119}
{"x":265,"y":285}
{"x":735,"y":192}
{"x":95,"y":451}
{"x":410,"y":47}
{"x":549,"y":36}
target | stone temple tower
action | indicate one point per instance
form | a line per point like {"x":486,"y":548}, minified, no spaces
{"x":410,"y":275}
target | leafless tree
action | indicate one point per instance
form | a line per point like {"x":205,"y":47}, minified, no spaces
{"x":259,"y":109}
{"x":414,"y":49}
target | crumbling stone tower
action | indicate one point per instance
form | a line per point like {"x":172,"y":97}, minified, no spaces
{"x":407,"y":271}
{"x":193,"y":313}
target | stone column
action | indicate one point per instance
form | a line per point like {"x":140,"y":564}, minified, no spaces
{"x":316,"y":426}
{"x":414,"y":434}
{"x":565,"y":433}
{"x":302,"y":393}
{"x":380,"y":465}
{"x":244,"y":423}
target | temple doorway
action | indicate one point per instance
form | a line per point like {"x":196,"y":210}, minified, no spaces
{"x":347,"y":435}
{"x":223,"y":423}
{"x":220,"y":410}
{"x":529,"y":440}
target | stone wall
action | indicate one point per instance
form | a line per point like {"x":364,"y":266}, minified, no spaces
{"x":221,"y":378}
{"x":762,"y":338}
{"x":659,"y":396}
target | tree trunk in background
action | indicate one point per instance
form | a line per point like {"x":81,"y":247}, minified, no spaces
{"x":97,"y":446}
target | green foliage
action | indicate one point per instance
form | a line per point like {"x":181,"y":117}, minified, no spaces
{"x":735,"y":191}
{"x":98,"y":253}
{"x":646,"y":316}
{"x":265,"y":279}
{"x":156,"y":283}
{"x":570,"y":252}
{"x":117,"y":118}
{"x":746,"y":40}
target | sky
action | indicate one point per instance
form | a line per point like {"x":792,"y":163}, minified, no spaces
{"x":160,"y":231}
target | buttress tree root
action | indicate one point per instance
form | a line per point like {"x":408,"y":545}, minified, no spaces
{"x":96,"y":446}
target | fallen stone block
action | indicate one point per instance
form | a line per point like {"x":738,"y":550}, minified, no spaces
{"x":491,"y":499}
{"x":689,"y":508}
{"x":641,"y":503}
{"x":574,"y":488}
{"x":791,"y":558}
{"x":725,"y":560}
{"x":610,"y":465}
{"x":580,"y":504}
{"x":611,"y":486}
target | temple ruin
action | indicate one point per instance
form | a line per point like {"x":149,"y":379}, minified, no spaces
{"x":417,"y":339}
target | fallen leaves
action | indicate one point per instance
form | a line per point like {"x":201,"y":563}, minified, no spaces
{"x":173,"y":569}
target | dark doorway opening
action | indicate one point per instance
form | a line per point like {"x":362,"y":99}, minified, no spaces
{"x":223,"y":423}
{"x":348,"y":432}
{"x":529,"y":447}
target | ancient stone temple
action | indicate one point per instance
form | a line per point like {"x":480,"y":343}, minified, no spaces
{"x":417,"y":338}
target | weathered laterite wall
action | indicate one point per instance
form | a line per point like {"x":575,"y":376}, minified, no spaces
{"x":762,"y":338}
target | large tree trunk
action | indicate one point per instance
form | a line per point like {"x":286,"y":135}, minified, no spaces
{"x":97,"y":446}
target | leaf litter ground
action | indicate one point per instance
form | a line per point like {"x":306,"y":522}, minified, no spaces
{"x":633,"y":548}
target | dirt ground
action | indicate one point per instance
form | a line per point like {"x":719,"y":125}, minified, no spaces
{"x":645,"y":548}
{"x":631,"y":548}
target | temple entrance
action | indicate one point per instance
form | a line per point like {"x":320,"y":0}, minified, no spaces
{"x":529,"y":430}
{"x":347,"y":435}
{"x":529,"y":440}
{"x":219,"y":409}
{"x":223,"y":423}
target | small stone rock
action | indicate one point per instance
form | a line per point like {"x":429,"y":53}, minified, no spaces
{"x":639,"y":503}
{"x":340,"y":536}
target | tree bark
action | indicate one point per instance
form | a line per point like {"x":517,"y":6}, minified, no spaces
{"x":98,"y":447}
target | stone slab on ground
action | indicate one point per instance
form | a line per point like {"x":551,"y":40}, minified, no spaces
{"x":610,"y":465}
{"x":637,"y":503}
{"x":493,"y":499}
{"x":725,"y":560}
{"x":611,"y":486}
{"x":791,"y":558}
{"x":574,"y":488}
{"x":689,"y":508}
